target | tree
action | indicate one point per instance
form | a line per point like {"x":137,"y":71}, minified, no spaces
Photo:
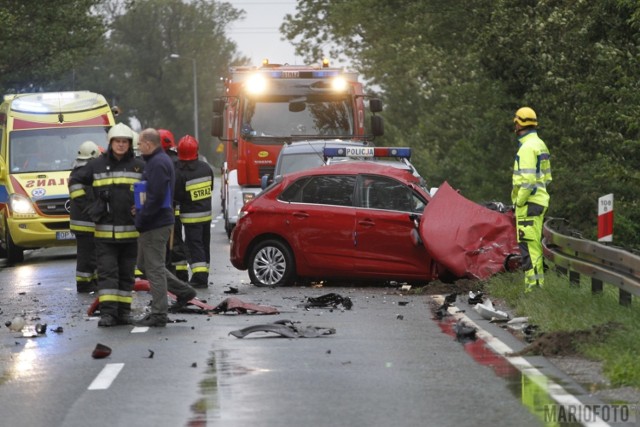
{"x":149,"y":85}
{"x":42,"y":40}
{"x":452,"y":73}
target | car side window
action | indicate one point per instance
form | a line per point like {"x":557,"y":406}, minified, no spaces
{"x":322,"y":189}
{"x":378,"y":192}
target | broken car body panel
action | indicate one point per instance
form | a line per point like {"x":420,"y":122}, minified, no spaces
{"x":469,"y":239}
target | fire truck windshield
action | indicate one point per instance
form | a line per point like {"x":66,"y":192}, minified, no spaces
{"x":286,"y":116}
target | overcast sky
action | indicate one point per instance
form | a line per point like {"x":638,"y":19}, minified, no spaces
{"x":257,"y":35}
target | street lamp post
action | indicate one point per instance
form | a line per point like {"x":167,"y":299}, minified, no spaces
{"x":195,"y":93}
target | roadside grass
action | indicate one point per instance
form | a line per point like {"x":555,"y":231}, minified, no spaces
{"x":560,"y":306}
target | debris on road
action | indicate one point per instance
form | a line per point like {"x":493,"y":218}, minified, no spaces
{"x":475,"y":298}
{"x":16,"y":324}
{"x":286,"y":329}
{"x":489,"y":312}
{"x":331,"y":300}
{"x":464,"y":331}
{"x":239,"y":306}
{"x":101,"y":351}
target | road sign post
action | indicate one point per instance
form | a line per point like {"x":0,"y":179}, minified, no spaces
{"x":605,"y":218}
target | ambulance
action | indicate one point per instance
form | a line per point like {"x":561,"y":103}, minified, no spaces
{"x":39,"y":138}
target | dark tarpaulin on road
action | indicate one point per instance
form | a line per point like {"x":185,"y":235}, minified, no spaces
{"x":469,"y":239}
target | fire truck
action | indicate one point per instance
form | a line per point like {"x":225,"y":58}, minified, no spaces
{"x":265,"y":107}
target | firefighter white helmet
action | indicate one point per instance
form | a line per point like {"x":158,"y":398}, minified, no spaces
{"x":120,"y":131}
{"x":88,"y":150}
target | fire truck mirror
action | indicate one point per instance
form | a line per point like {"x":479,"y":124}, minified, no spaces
{"x":218,"y":105}
{"x":377,"y":126}
{"x":375,"y":105}
{"x":217,"y":126}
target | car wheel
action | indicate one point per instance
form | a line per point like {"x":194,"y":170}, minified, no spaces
{"x":14,"y":253}
{"x":271,"y":264}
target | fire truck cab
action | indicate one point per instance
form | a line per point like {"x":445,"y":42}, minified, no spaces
{"x":265,"y":107}
{"x":39,"y":138}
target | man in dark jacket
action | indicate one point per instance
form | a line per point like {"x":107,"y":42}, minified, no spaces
{"x":81,"y":223}
{"x":194,"y":185}
{"x":112,"y":176}
{"x":154,"y":220}
{"x":176,"y":255}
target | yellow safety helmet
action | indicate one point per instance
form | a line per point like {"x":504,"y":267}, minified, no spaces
{"x":525,"y":117}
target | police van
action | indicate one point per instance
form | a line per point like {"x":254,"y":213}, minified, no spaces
{"x":39,"y":138}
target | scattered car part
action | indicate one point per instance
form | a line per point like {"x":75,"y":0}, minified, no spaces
{"x":489,"y":312}
{"x":329,"y":300}
{"x":286,"y":329}
{"x":239,"y":306}
{"x":469,"y":239}
{"x":101,"y":351}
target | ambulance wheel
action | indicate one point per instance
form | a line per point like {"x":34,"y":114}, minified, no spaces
{"x":271,"y":264}
{"x":14,"y":253}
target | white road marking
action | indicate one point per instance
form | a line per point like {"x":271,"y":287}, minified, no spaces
{"x":553,"y":389}
{"x":106,"y":376}
{"x":139,"y":329}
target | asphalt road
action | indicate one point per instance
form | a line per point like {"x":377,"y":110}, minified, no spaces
{"x":389,"y":362}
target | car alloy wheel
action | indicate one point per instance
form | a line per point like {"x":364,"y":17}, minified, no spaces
{"x":271,"y":264}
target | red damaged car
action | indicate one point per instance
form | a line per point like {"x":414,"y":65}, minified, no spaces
{"x":353,"y":220}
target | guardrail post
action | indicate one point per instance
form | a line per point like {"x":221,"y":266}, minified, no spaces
{"x":625,"y":298}
{"x":596,"y":286}
{"x":574,"y":278}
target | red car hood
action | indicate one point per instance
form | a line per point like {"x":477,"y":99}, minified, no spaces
{"x":469,"y":239}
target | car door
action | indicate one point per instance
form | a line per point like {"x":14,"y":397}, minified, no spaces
{"x":321,"y":222}
{"x":384,"y":247}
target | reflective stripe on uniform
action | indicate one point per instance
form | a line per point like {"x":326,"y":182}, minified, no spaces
{"x":114,"y":295}
{"x":193,"y":217}
{"x":199,"y":267}
{"x":86,"y":226}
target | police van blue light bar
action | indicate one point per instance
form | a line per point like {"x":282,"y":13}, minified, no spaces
{"x":400,"y":152}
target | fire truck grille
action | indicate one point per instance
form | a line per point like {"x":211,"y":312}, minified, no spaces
{"x":54,"y":206}
{"x":266,"y":170}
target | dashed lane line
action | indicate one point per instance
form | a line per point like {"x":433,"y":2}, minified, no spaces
{"x":106,"y":376}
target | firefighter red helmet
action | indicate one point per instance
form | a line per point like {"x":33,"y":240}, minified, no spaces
{"x":188,"y":148}
{"x":166,"y":137}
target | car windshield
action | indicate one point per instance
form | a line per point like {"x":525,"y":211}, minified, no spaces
{"x":43,"y":150}
{"x":290,"y":163}
{"x":286,"y":116}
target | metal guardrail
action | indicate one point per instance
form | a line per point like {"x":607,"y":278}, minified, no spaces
{"x":604,"y":264}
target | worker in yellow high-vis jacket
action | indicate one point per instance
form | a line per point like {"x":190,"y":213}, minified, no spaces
{"x":531,"y":176}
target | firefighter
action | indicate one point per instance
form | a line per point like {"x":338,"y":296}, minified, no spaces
{"x":194,"y":184}
{"x":176,"y":251}
{"x":111,"y":177}
{"x":81,"y":224}
{"x":531,"y":176}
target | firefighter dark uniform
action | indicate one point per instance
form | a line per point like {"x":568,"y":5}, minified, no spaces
{"x":111,"y":177}
{"x":194,"y":185}
{"x":81,"y":224}
{"x":531,"y":176}
{"x":176,"y":251}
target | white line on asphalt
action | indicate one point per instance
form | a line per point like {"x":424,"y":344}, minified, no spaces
{"x":106,"y":376}
{"x":139,"y":329}
{"x":555,"y":391}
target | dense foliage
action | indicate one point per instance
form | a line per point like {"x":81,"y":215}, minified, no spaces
{"x":140,"y":54}
{"x":452,"y":72}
